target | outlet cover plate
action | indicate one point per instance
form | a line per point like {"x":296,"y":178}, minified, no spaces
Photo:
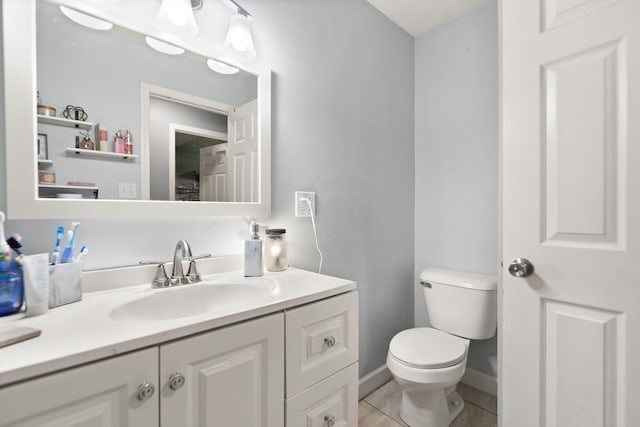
{"x":302,"y":207}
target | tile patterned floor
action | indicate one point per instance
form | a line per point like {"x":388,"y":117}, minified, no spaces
{"x":382,"y":408}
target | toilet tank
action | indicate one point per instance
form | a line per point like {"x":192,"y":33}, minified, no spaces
{"x":461,"y":303}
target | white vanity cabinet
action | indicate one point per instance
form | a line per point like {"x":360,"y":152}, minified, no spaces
{"x":322,"y":363}
{"x":231,"y":377}
{"x":103,"y":394}
{"x":288,"y":367}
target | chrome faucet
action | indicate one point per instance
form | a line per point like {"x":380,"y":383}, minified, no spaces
{"x":181,"y":253}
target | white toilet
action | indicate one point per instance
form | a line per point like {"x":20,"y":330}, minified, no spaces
{"x":429,"y":362}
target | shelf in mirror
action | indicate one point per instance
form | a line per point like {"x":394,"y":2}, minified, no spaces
{"x":45,"y":162}
{"x":49,"y":191}
{"x":60,"y":121}
{"x":104,"y":154}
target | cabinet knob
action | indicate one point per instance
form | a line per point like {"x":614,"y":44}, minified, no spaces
{"x":176,"y":380}
{"x":330,"y":341}
{"x":145,"y":391}
{"x":329,"y":420}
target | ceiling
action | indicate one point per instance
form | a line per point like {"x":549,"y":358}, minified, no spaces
{"x":417,"y":17}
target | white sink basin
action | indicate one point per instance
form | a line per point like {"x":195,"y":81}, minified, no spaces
{"x":192,"y":300}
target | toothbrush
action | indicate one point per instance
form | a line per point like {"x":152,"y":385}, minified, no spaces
{"x":55,"y":255}
{"x":83,"y":252}
{"x":5,"y":250}
{"x":67,"y":253}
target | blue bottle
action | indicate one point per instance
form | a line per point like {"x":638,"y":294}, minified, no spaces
{"x":11,"y":288}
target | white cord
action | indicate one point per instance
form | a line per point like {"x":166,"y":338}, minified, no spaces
{"x":315,"y":233}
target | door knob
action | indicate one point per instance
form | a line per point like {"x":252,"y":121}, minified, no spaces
{"x":521,"y":267}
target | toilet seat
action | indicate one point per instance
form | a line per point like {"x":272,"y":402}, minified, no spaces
{"x":427,"y":348}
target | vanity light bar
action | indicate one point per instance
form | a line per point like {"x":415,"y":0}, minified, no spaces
{"x":236,"y":8}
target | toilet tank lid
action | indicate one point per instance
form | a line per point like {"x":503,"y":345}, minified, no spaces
{"x":465,"y":279}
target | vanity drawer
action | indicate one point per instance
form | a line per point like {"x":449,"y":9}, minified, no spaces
{"x":321,"y":339}
{"x":332,"y":402}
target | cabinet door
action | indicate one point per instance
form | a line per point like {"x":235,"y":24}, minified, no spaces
{"x":231,"y":377}
{"x":101,"y":394}
{"x":322,"y":338}
{"x":332,"y":402}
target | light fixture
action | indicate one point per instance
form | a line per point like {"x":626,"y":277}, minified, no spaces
{"x":179,"y":14}
{"x":221,"y":67}
{"x":239,"y":34}
{"x":86,"y":20}
{"x":164,"y":47}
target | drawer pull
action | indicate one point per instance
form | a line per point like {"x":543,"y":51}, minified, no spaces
{"x":330,"y":341}
{"x":145,"y":391}
{"x":329,"y":420}
{"x":176,"y":381}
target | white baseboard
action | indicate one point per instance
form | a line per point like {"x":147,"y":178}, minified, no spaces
{"x":382,"y":375}
{"x":374,"y":380}
{"x":481,"y":381}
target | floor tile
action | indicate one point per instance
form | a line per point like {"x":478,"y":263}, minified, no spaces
{"x":478,"y":398}
{"x":474,"y":416}
{"x":368,"y":416}
{"x":387,"y":399}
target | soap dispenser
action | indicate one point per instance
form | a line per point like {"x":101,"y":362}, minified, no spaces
{"x":253,"y":252}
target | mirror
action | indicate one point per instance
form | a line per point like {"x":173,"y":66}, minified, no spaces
{"x":193,"y":149}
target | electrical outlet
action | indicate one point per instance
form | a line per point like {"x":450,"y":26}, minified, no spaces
{"x":126,"y":190}
{"x":302,"y":207}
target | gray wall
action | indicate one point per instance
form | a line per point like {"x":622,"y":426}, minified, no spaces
{"x":343,"y":126}
{"x":456,"y":154}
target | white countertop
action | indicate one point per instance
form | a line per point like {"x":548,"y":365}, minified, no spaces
{"x":84,"y":331}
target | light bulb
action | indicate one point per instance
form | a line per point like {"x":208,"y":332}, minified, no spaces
{"x":221,"y":67}
{"x":239,"y":34}
{"x":164,"y":47}
{"x":86,"y":20}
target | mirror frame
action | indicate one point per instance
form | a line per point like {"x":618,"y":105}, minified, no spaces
{"x":22,"y":202}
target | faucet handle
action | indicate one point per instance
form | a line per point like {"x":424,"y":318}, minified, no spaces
{"x":161,"y":280}
{"x":192,"y":273}
{"x":193,"y":258}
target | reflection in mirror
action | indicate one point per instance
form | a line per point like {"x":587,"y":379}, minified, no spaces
{"x":105,"y":74}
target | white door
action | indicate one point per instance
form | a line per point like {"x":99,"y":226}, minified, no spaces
{"x":570,"y":332}
{"x":213,"y":173}
{"x":233,"y":377}
{"x":243,"y":153}
{"x":101,"y":394}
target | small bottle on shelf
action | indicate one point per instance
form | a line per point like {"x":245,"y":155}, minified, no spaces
{"x":87,"y":143}
{"x":118,"y":143}
{"x":128,"y":143}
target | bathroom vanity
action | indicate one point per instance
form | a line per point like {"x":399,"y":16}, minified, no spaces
{"x":279,"y":350}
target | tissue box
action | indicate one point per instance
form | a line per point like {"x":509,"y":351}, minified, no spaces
{"x":64,"y":283}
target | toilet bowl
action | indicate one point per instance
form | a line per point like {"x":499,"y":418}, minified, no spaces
{"x":428,"y":378}
{"x":429,"y":362}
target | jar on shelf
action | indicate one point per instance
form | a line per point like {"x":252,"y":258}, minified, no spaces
{"x":276,"y":249}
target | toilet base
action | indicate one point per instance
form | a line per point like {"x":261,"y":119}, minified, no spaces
{"x":432,"y":408}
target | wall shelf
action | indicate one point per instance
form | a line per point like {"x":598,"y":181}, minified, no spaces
{"x":51,"y":190}
{"x":45,"y":162}
{"x":61,"y":121}
{"x":104,"y":154}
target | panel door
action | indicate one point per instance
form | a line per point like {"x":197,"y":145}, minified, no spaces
{"x":570,"y":332}
{"x":213,"y":173}
{"x":243,"y":158}
{"x":233,"y":377}
{"x":101,"y":394}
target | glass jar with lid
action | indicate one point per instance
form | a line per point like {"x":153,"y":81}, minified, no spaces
{"x":276,"y":249}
